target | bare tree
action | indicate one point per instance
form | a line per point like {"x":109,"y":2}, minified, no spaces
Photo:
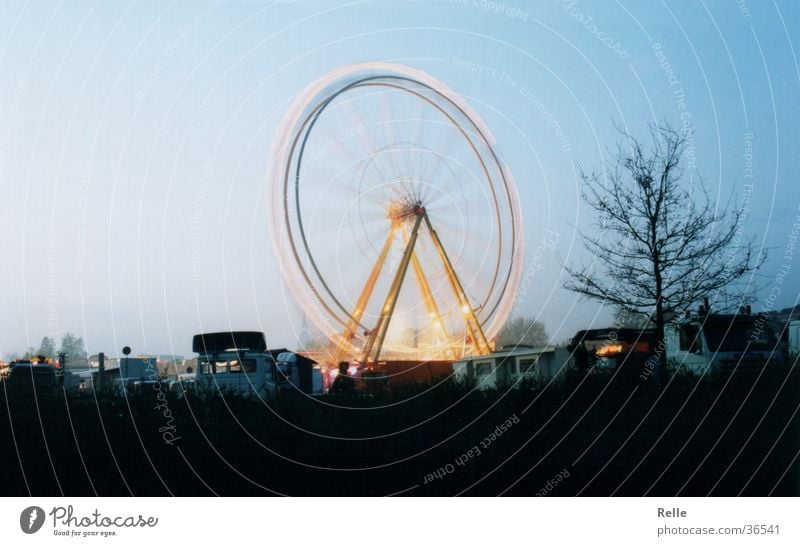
{"x":624,"y":318}
{"x":658,"y":245}
{"x":522,"y":331}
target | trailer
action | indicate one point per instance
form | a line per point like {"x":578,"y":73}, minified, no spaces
{"x":134,"y":374}
{"x":506,"y":368}
{"x":293,"y":371}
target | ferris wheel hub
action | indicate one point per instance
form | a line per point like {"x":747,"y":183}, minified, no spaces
{"x":404,"y":210}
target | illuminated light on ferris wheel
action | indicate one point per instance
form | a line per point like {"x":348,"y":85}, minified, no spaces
{"x":396,"y":226}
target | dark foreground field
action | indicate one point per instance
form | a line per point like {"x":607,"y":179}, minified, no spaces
{"x":588,"y":436}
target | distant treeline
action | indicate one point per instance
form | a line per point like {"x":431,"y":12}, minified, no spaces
{"x":585,"y":435}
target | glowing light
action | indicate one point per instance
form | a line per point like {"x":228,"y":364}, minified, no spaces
{"x":610,"y":350}
{"x":465,"y":309}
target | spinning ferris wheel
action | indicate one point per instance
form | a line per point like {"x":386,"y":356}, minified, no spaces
{"x":396,"y":225}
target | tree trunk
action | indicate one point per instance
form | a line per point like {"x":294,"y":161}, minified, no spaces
{"x":659,"y":293}
{"x":660,"y":344}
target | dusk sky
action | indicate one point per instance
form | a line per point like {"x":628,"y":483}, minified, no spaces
{"x":135,"y":138}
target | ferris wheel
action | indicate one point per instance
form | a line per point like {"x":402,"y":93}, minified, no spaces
{"x":396,"y":226}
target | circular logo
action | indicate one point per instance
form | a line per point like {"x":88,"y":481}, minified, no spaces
{"x":31,"y":519}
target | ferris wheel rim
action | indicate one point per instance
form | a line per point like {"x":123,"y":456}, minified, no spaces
{"x":305,"y":131}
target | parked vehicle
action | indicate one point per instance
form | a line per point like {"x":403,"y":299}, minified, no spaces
{"x":625,"y":351}
{"x":239,"y":362}
{"x":717,"y":342}
{"x":25,"y":373}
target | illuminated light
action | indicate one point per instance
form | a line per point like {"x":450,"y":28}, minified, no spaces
{"x":610,"y":350}
{"x":437,"y":325}
{"x":465,"y":309}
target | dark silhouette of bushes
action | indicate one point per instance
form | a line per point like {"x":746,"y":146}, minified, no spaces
{"x":724,"y":435}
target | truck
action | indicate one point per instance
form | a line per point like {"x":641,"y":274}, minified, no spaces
{"x":722,"y":342}
{"x":41,"y":373}
{"x":29,"y":374}
{"x":626,"y":352}
{"x":240,"y":363}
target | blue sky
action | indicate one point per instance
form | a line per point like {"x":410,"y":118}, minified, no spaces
{"x":134,"y":140}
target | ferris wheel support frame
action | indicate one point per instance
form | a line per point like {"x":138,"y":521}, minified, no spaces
{"x":342,"y":346}
{"x":377,"y":335}
{"x":431,"y":306}
{"x":479,"y":340}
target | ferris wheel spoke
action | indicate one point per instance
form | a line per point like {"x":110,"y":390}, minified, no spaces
{"x":388,"y":121}
{"x":368,"y":145}
{"x":421,"y":121}
{"x":441,"y":169}
{"x":408,"y":159}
